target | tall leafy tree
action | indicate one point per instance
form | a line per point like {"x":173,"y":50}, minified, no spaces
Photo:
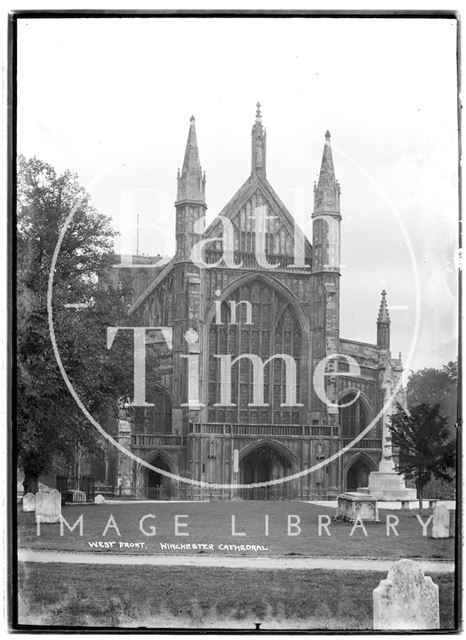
{"x":426,"y":449}
{"x":49,"y":425}
{"x":433,"y":386}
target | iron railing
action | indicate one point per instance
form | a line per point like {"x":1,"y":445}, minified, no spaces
{"x":74,"y":489}
{"x":283,"y":491}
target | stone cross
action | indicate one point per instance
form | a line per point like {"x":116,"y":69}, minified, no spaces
{"x":407,"y":600}
{"x":386,"y":463}
{"x":29,"y":502}
{"x":48,"y":506}
{"x":441,"y":522}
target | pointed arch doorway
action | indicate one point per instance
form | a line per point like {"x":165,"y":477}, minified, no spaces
{"x":263,"y":463}
{"x":157,"y":485}
{"x":358,"y":473}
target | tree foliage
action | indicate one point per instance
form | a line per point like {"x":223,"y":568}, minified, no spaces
{"x":434,"y":386}
{"x":49,"y":425}
{"x":426,"y":449}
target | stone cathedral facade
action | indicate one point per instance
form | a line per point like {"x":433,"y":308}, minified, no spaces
{"x":255,"y":286}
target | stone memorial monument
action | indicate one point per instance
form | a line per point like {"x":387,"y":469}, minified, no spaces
{"x":441,"y":522}
{"x":406,"y":600}
{"x":48,"y":506}
{"x":99,"y":499}
{"x":352,"y":504}
{"x":29,"y":502}
{"x":386,"y":484}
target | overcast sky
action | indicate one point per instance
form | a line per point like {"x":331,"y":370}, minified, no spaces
{"x":111,"y":99}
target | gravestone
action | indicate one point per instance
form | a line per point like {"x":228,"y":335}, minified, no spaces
{"x":99,"y":499}
{"x":29,"y":502}
{"x":406,"y":600}
{"x":441,"y":522}
{"x":48,"y":506}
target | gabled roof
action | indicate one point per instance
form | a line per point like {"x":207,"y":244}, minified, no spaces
{"x":229,"y":210}
{"x":153,"y":285}
{"x":191,"y":186}
{"x":242,"y":196}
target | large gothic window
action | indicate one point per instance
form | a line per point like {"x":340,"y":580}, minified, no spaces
{"x":354,"y":416}
{"x":265,"y":325}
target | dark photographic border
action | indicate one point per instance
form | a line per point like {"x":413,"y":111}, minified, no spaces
{"x":13,"y":18}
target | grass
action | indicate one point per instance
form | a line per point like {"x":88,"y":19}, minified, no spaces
{"x":210,"y":523}
{"x":168,"y":597}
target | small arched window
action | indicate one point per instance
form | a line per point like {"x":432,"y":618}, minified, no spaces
{"x":353,"y":417}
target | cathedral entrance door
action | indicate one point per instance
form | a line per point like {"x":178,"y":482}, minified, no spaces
{"x":358,"y":475}
{"x":158,"y":486}
{"x":261,"y":465}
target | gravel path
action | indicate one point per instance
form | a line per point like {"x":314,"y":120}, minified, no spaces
{"x":230,"y":562}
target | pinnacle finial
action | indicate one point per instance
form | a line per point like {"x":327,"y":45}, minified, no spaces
{"x":258,"y":144}
{"x":190,"y":185}
{"x":383,"y":310}
{"x":327,"y":192}
{"x":383,"y":324}
{"x":192,"y":119}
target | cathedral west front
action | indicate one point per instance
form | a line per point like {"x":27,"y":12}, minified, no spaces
{"x":253,"y":381}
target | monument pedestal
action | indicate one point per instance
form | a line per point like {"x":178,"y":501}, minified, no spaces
{"x":352,"y":504}
{"x":387,"y":484}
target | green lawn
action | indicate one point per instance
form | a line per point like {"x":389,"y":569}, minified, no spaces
{"x":210,"y":523}
{"x":162,"y":597}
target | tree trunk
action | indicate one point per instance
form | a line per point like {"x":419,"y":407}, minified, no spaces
{"x":419,"y":494}
{"x":30,"y":483}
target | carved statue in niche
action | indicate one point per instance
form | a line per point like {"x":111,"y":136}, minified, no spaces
{"x":212,"y":448}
